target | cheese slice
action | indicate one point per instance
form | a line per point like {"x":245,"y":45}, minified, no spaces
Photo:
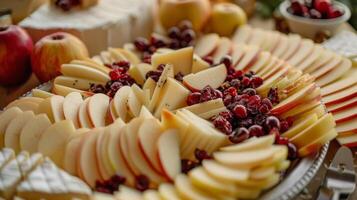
{"x":109,"y":23}
{"x":6,"y":154}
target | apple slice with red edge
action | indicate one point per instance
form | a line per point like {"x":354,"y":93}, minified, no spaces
{"x":224,"y":48}
{"x":341,"y":96}
{"x":213,"y":77}
{"x":71,"y":106}
{"x":207,"y":44}
{"x":83,"y":118}
{"x":149,"y":133}
{"x":97,"y":108}
{"x":169,"y":153}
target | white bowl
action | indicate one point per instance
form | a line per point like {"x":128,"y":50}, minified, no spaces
{"x":308,"y":27}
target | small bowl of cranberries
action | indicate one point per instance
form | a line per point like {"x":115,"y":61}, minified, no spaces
{"x":310,"y":17}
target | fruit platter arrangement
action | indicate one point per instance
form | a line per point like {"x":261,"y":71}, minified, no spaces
{"x":199,"y":109}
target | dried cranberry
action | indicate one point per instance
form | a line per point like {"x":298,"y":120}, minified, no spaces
{"x":179,"y":76}
{"x":272,"y":122}
{"x":125,"y":65}
{"x":222,"y":124}
{"x":115,"y":74}
{"x":118,"y":179}
{"x":256,"y":130}
{"x":201,"y":155}
{"x":208,"y":93}
{"x":256,"y":81}
{"x":334,"y":13}
{"x":152,"y":49}
{"x":155,"y":75}
{"x":259,"y":119}
{"x":97,"y":88}
{"x":174,"y":44}
{"x":141,"y":44}
{"x":239,"y":135}
{"x":142,"y":183}
{"x":156,"y":42}
{"x":116,"y":86}
{"x":227,"y":100}
{"x":188,"y":165}
{"x":227,"y":115}
{"x":231,"y":91}
{"x":284,"y":126}
{"x":226,"y":60}
{"x":245,"y":81}
{"x":240,"y":111}
{"x":250,"y":91}
{"x":296,"y":7}
{"x":267,"y":102}
{"x":323,"y":6}
{"x":292,"y":151}
{"x":208,"y":59}
{"x":103,"y":190}
{"x":235,"y":83}
{"x":185,"y":24}
{"x":273,"y":95}
{"x":246,"y":122}
{"x":188,"y":35}
{"x":161,"y":67}
{"x":193,"y":98}
{"x":282,"y":140}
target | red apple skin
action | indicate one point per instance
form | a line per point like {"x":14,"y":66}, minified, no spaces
{"x":52,"y":51}
{"x":15,"y":55}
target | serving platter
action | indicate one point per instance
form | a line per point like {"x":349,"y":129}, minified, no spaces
{"x":293,"y":181}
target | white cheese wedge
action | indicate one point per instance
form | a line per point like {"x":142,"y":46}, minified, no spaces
{"x":110,"y":23}
{"x":47,"y":181}
{"x":6,"y":154}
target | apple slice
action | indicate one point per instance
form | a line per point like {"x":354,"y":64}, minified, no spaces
{"x":53,"y":108}
{"x":135,"y":157}
{"x":173,"y":96}
{"x":115,"y":154}
{"x":305,"y":49}
{"x":319,"y":110}
{"x":339,"y":85}
{"x":251,"y":144}
{"x":33,"y":100}
{"x":225,"y":173}
{"x":64,"y":90}
{"x":97,"y":109}
{"x":224,"y":47}
{"x":199,"y":64}
{"x":303,"y":107}
{"x":181,"y":60}
{"x":145,"y":113}
{"x":114,"y":56}
{"x":263,"y":60}
{"x":13,"y":130}
{"x":314,"y":131}
{"x":204,"y":181}
{"x":24,"y":105}
{"x":169,"y":153}
{"x":40,"y":93}
{"x":105,"y":167}
{"x":343,"y":105}
{"x":168,"y":192}
{"x":213,"y":77}
{"x":53,"y":140}
{"x":168,"y":72}
{"x":257,"y":38}
{"x":294,"y":44}
{"x":270,"y":44}
{"x":71,"y":106}
{"x":128,"y":193}
{"x":335,"y":73}
{"x":242,"y":34}
{"x":83,"y":117}
{"x":88,"y":158}
{"x":151,"y":195}
{"x":134,"y":104}
{"x":91,"y":63}
{"x":76,"y":83}
{"x":148,"y":136}
{"x":237,"y":53}
{"x":129,"y":55}
{"x":348,"y":141}
{"x":341,"y":96}
{"x":328,"y":67}
{"x":120,"y":102}
{"x":316,"y":144}
{"x":250,"y":56}
{"x":326,"y":57}
{"x":345,"y":115}
{"x":187,"y":191}
{"x":311,"y":58}
{"x":84,"y":72}
{"x":271,"y":64}
{"x":201,"y":108}
{"x":32,"y":131}
{"x":347,"y":126}
{"x":299,"y":127}
{"x":207,"y":44}
{"x":278,"y":67}
{"x":247,"y":159}
{"x":139,"y":71}
{"x":293,"y":100}
{"x":208,"y":115}
{"x":281,"y":47}
{"x":71,"y":151}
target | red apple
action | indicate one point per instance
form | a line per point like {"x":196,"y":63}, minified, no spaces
{"x":15,"y":55}
{"x":52,"y":51}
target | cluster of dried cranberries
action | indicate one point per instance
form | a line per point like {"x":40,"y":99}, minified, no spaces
{"x":248,"y":113}
{"x":119,"y":78}
{"x":178,"y":37}
{"x":200,"y":155}
{"x":111,"y":185}
{"x":66,"y":5}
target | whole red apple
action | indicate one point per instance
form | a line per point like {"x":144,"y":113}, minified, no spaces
{"x":15,"y":55}
{"x":52,"y":51}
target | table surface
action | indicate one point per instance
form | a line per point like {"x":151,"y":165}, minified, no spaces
{"x":9,"y":94}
